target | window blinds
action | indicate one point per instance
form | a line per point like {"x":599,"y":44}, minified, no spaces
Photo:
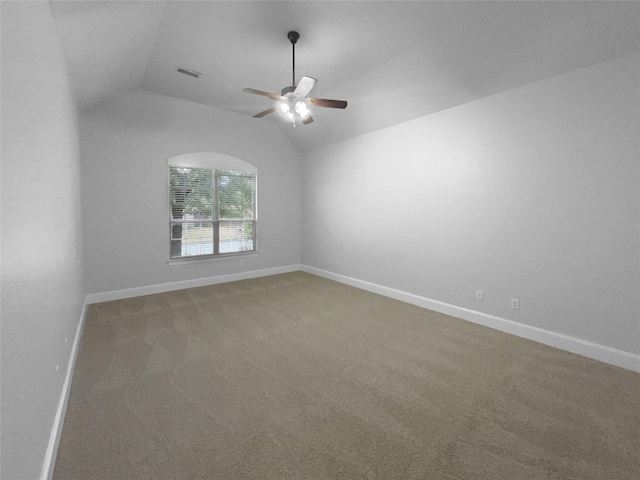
{"x":236,"y":195}
{"x":212,"y":211}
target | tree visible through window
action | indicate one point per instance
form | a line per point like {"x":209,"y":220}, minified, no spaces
{"x":212,"y":211}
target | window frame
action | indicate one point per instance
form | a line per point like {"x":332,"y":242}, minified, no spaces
{"x":217,"y":163}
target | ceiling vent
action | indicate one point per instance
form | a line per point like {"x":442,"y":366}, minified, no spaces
{"x":186,"y":71}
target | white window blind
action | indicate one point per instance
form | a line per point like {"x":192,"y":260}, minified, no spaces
{"x":236,"y":205}
{"x":212,"y":212}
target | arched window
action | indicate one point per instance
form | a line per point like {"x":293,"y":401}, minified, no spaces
{"x":212,"y":206}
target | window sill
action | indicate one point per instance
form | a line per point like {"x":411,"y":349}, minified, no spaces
{"x":210,"y":258}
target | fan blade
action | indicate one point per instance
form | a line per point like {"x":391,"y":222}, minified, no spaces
{"x":275,"y":96}
{"x":323,"y":102}
{"x":304,"y":86}
{"x":307,"y":120}
{"x":266,"y":112}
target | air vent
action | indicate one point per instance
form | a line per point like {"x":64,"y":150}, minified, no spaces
{"x":186,"y":71}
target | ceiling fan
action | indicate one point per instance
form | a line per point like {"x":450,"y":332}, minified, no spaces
{"x":293,"y":102}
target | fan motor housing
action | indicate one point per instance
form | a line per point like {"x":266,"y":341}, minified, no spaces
{"x":288,"y":89}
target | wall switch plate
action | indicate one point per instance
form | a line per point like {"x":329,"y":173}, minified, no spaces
{"x":479,"y":294}
{"x":515,"y":303}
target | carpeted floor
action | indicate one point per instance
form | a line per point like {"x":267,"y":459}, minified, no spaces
{"x":296,"y":376}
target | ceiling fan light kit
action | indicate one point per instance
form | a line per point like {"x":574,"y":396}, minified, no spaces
{"x":293,"y":103}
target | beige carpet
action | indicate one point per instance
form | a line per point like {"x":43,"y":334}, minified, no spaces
{"x":295,"y":376}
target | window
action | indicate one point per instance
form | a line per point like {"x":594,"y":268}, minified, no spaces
{"x":212,"y":211}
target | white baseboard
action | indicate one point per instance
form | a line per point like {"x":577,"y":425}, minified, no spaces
{"x":585,"y":348}
{"x":58,"y":422}
{"x":198,"y":282}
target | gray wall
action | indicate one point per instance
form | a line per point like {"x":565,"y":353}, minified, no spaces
{"x":41,"y":284}
{"x":532,"y":193}
{"x":125,"y":145}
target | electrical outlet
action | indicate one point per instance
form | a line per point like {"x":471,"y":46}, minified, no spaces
{"x":479,"y":294}
{"x":515,"y":303}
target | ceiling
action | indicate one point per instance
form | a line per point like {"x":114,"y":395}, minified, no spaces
{"x":393,"y":61}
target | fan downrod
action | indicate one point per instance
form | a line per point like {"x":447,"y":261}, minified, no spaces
{"x":293,"y":37}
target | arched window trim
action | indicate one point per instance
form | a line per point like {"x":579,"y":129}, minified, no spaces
{"x":211,"y":160}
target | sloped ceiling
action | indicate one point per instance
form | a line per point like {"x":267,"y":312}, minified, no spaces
{"x":391,"y":60}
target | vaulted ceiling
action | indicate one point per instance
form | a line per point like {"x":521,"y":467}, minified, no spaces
{"x":391,"y":60}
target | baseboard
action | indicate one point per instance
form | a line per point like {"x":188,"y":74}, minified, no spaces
{"x":585,"y":348}
{"x":58,"y":422}
{"x":198,"y":282}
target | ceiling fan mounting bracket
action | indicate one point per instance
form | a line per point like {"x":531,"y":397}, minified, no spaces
{"x":288,"y":89}
{"x":293,"y":36}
